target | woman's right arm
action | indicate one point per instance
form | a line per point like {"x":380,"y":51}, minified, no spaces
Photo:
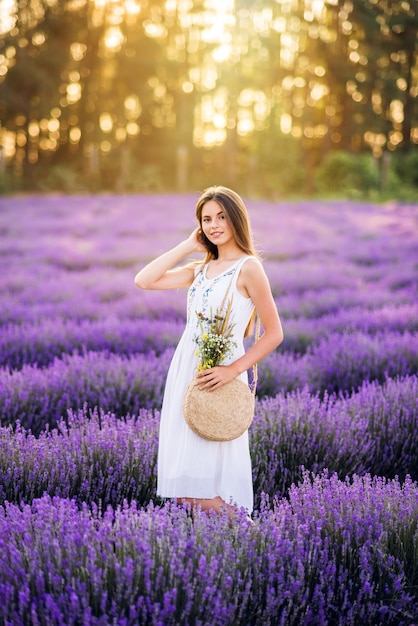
{"x":159,"y":274}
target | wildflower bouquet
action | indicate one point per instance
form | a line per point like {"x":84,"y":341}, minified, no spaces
{"x":214,"y":342}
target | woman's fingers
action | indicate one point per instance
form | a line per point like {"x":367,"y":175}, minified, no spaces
{"x":212,"y":378}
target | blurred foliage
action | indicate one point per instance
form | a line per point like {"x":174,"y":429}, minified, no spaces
{"x":347,"y":173}
{"x":62,"y":178}
{"x":406,"y":167}
{"x":122,"y":95}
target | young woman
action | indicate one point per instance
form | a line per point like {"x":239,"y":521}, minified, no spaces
{"x":208,"y":474}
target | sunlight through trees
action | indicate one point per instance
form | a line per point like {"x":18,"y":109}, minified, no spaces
{"x":185,"y":90}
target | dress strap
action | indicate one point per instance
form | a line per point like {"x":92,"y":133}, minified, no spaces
{"x":244,"y":260}
{"x":238,"y":267}
{"x":199,"y":267}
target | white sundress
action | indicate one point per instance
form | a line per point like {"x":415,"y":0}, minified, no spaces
{"x":189,"y":466}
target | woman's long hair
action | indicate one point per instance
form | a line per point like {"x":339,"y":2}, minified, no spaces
{"x":237,"y":217}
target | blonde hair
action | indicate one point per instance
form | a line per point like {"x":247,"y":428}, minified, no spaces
{"x":236,"y":215}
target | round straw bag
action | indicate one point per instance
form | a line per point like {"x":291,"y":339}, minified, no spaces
{"x":220,"y":415}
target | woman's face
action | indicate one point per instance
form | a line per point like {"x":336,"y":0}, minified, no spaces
{"x":214,"y":223}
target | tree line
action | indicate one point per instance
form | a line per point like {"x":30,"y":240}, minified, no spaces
{"x":274,"y":96}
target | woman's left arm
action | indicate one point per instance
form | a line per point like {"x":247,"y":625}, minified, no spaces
{"x":253,"y":283}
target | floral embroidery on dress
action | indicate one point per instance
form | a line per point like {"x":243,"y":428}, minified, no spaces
{"x":205,"y":293}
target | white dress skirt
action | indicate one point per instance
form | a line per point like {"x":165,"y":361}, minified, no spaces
{"x":189,"y":466}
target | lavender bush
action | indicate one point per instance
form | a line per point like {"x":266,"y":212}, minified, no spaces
{"x":372,"y":431}
{"x":40,"y":397}
{"x":304,"y":332}
{"x":93,"y":458}
{"x":341,"y":362}
{"x":41,"y":342}
{"x":328,"y":554}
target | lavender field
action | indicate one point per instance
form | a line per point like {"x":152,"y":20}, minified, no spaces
{"x":334,"y":443}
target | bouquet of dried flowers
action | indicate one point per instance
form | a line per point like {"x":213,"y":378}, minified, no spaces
{"x":214,"y":342}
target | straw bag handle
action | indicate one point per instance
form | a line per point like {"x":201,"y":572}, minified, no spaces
{"x":254,"y":381}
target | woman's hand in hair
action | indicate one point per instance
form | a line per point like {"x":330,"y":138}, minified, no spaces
{"x":197,"y":239}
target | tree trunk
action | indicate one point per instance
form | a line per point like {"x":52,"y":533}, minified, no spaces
{"x":409,"y":105}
